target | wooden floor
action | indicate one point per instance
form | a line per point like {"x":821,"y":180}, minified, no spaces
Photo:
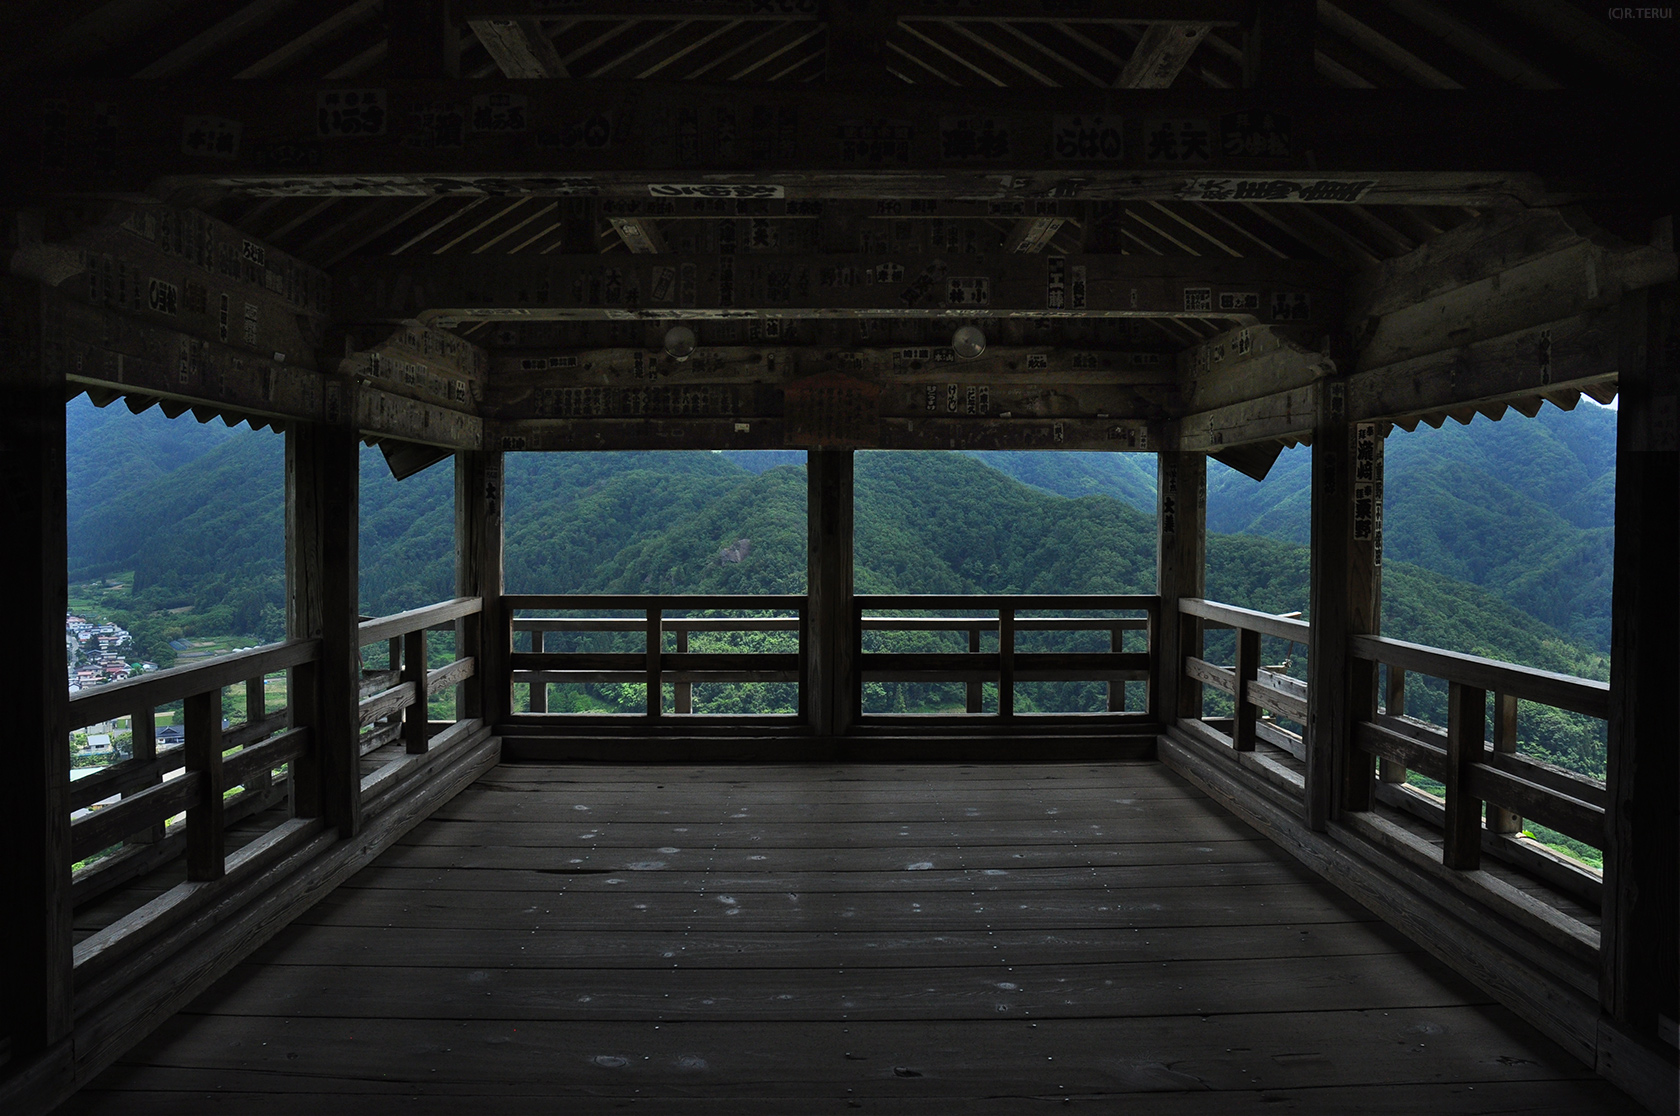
{"x":815,"y":939}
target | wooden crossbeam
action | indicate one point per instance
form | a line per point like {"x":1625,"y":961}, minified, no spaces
{"x":674,"y":140}
{"x":1160,"y":54}
{"x":1225,"y":12}
{"x":1495,"y":276}
{"x":1244,"y":364}
{"x":105,"y":350}
{"x":185,"y":271}
{"x":520,"y":48}
{"x":445,"y":290}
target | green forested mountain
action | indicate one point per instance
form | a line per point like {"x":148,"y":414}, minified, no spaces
{"x":197,"y":515}
{"x":1522,"y":507}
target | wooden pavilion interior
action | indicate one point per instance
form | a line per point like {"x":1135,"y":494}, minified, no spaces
{"x":1193,"y":229}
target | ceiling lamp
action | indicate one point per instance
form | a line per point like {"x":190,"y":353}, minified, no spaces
{"x":679,"y":342}
{"x":969,"y":342}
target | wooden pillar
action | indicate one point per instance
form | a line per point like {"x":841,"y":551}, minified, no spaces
{"x":1638,"y":978}
{"x":486,"y":637}
{"x":35,"y":942}
{"x":322,"y":482}
{"x":1180,"y":571}
{"x":1344,"y":600}
{"x":857,"y":43}
{"x":831,"y":675}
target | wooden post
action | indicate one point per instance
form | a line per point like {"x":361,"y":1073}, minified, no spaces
{"x":1466,"y":716}
{"x":682,"y":693}
{"x":486,"y":637}
{"x":1180,"y":571}
{"x":1346,"y":550}
{"x":1388,"y":770}
{"x":424,"y":42}
{"x":975,"y":692}
{"x":655,"y":636}
{"x":1499,"y":819}
{"x":1117,"y":686}
{"x":143,"y":731}
{"x":538,"y":700}
{"x":1247,"y":670}
{"x":35,"y":937}
{"x":1364,"y":607}
{"x":831,"y":674}
{"x":322,"y":463}
{"x":417,"y":732}
{"x":1638,"y":977}
{"x":206,"y":841}
{"x":1006,"y":662}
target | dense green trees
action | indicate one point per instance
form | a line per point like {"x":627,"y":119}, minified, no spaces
{"x":1498,"y":541}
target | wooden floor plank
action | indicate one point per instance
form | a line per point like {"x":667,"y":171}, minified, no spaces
{"x":913,"y":938}
{"x":963,"y":991}
{"x":661,"y":949}
{"x":920,"y":877}
{"x":712,"y":1066}
{"x":430,"y":853}
{"x":720,"y":911}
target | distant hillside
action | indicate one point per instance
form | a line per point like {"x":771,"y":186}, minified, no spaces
{"x":1522,"y":507}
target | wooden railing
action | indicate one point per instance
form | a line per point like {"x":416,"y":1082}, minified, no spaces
{"x":1263,"y":698}
{"x":393,"y":702}
{"x":1007,"y":665}
{"x":1490,"y":790}
{"x":654,"y":665}
{"x":156,"y":784}
{"x":1478,"y":772}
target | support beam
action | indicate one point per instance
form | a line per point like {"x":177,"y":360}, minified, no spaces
{"x":35,"y":933}
{"x":478,"y":573}
{"x":1638,"y":982}
{"x":636,"y":139}
{"x":1246,"y":364}
{"x":1032,"y":234}
{"x":1226,"y":12}
{"x":1160,"y":54}
{"x":520,"y":48}
{"x":446,"y":290}
{"x":322,"y":473}
{"x":1180,"y":572}
{"x":424,"y":40}
{"x":831,"y":660}
{"x":1329,"y":724}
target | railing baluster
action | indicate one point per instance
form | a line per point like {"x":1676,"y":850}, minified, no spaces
{"x":1006,"y":662}
{"x":976,"y":689}
{"x":1388,"y":770}
{"x":655,"y":626}
{"x":1117,"y":686}
{"x":143,"y":748}
{"x":683,"y":692}
{"x":203,"y":746}
{"x":1466,"y":713}
{"x":1247,"y":671}
{"x":417,"y":728}
{"x":1499,"y":819}
{"x":539,"y":690}
{"x":256,"y":709}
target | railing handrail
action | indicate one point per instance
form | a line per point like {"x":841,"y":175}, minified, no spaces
{"x":643,"y":601}
{"x":668,"y":623}
{"x":1563,"y":691}
{"x":1265,"y":623}
{"x":119,"y":699}
{"x":1021,"y":602}
{"x":416,"y":619}
{"x":990,"y":624}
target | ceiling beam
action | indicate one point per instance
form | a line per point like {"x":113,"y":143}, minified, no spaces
{"x":590,"y":287}
{"x":630,"y":139}
{"x":1227,"y":12}
{"x":520,"y":48}
{"x":1160,"y":54}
